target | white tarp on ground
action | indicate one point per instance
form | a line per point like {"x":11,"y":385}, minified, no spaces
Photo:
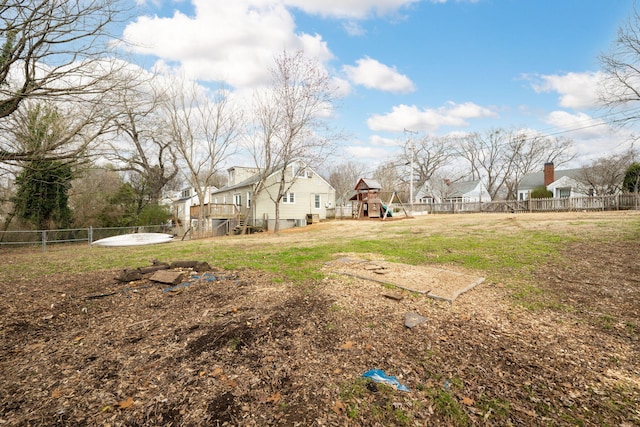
{"x":135,"y":239}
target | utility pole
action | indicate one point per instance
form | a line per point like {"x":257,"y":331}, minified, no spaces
{"x":410,"y":139}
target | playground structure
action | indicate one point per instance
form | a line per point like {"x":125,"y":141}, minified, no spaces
{"x":368,"y":203}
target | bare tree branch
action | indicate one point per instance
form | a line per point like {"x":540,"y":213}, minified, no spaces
{"x":204,"y":131}
{"x":291,"y":123}
{"x":59,"y":52}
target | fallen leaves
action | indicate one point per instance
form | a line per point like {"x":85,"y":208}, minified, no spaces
{"x":347,"y":346}
{"x":299,"y":361}
{"x":125,"y":404}
{"x":339,"y":408}
{"x":468,"y":401}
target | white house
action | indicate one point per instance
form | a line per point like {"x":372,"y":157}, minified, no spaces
{"x":184,"y":200}
{"x":562,"y":183}
{"x":308,"y":197}
{"x":447,"y":191}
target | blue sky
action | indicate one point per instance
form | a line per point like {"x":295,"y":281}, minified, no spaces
{"x":432,"y":66}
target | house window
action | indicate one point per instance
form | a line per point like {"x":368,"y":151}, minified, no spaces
{"x":564,"y":193}
{"x":248,"y":199}
{"x":237,"y":199}
{"x":317,"y":201}
{"x":185,"y":193}
{"x":288,"y":198}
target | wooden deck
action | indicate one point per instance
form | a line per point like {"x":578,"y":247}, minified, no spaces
{"x":221,"y":211}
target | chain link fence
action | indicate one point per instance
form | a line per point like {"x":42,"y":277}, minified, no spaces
{"x":72,"y":235}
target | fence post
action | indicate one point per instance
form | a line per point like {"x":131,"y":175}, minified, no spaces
{"x":90,"y":235}
{"x":44,"y":240}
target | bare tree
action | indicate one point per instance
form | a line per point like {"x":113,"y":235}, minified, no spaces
{"x":429,"y":153}
{"x":90,"y":193}
{"x":204,"y":130}
{"x":147,"y":150}
{"x":501,"y":158}
{"x":530,"y":153}
{"x":389,"y":178}
{"x":621,"y":87}
{"x":605,"y":175}
{"x":486,"y":158}
{"x":344,"y":177}
{"x":55,"y":51}
{"x":291,"y":124}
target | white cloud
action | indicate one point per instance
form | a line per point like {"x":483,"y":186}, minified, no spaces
{"x":380,"y":141}
{"x":356,"y":9}
{"x":353,"y":28}
{"x":342,"y":88}
{"x":368,"y":152}
{"x":428,"y":120}
{"x":580,"y":125}
{"x":234,"y":42}
{"x":576,"y":90}
{"x":374,"y":75}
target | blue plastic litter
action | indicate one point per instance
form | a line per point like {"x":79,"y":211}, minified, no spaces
{"x":379,"y":376}
{"x":173,"y":288}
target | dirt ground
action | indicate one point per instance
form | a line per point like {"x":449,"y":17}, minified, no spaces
{"x":239,"y":348}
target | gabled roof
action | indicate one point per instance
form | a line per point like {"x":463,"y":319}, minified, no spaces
{"x":368,"y":184}
{"x":459,"y":189}
{"x":254,"y":179}
{"x":534,"y":180}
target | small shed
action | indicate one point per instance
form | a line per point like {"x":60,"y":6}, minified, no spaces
{"x":366,"y":202}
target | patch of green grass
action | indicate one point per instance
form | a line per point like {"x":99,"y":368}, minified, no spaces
{"x":382,"y":410}
{"x":233,"y":343}
{"x":401,"y":417}
{"x":630,"y":327}
{"x":606,"y":322}
{"x":571,"y":420}
{"x":335,"y":308}
{"x":528,"y":296}
{"x":494,"y":408}
{"x":496,"y":249}
{"x":449,"y":408}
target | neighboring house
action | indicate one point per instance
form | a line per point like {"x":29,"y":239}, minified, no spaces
{"x":562,"y":183}
{"x":447,"y":192}
{"x":466,"y":192}
{"x":308,"y":197}
{"x":183,"y":203}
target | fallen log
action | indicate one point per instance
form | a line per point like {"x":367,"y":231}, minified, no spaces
{"x":153,"y":268}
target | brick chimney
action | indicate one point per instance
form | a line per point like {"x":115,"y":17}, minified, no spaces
{"x":549,"y":173}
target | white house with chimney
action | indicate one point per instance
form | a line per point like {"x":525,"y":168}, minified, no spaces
{"x":562,"y":183}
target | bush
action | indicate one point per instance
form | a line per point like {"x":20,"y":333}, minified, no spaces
{"x":541,"y":193}
{"x":153,"y":215}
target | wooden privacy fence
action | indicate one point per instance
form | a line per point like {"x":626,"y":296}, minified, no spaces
{"x":599,"y":203}
{"x":595,"y":203}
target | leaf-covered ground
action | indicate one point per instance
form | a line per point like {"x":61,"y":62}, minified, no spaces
{"x":240,"y":348}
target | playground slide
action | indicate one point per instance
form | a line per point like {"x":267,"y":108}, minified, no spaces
{"x":385,"y":208}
